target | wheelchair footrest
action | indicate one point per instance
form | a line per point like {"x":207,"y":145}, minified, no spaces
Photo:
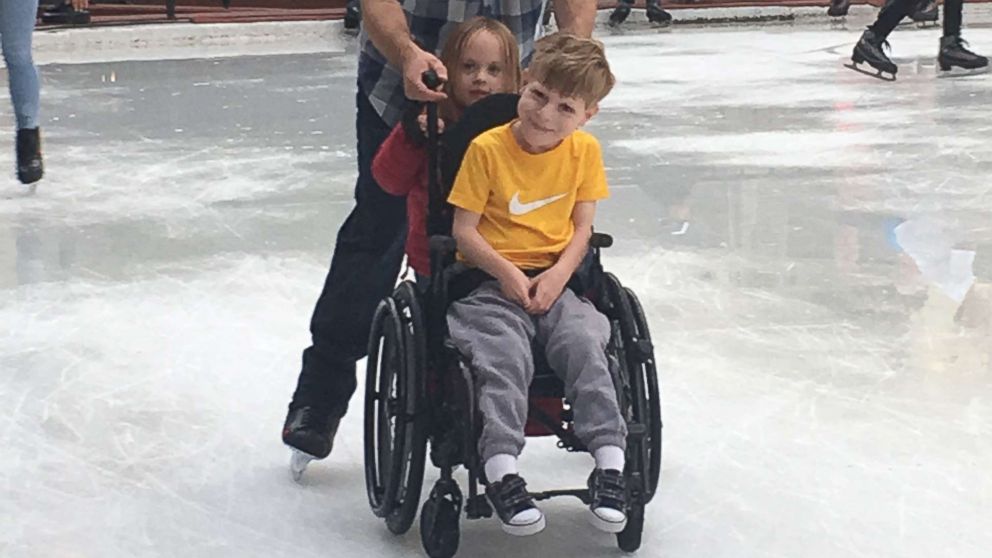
{"x":478,"y":507}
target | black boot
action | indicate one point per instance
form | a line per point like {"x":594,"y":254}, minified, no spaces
{"x":29,"y":165}
{"x":657,"y":15}
{"x":620,"y":14}
{"x":925,"y":11}
{"x":65,"y":14}
{"x":838,"y":8}
{"x":953,"y":54}
{"x":352,"y":16}
{"x":870,"y":50}
{"x":310,"y":431}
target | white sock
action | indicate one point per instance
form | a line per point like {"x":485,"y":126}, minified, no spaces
{"x":607,"y":457}
{"x":500,"y":465}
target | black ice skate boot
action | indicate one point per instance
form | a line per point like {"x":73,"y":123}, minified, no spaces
{"x":352,"y":16}
{"x":955,"y":60}
{"x":656,"y":15}
{"x":925,"y":13}
{"x":838,"y":8}
{"x":620,"y":14}
{"x":310,"y":434}
{"x":869,"y":51}
{"x":29,"y":166}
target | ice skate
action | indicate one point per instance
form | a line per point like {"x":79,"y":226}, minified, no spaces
{"x":619,"y":15}
{"x":30,"y":168}
{"x":954,"y":60}
{"x":869,"y":57}
{"x":925,"y":14}
{"x":352,"y":17}
{"x":838,"y":8}
{"x":657,"y":16}
{"x":310,"y":435}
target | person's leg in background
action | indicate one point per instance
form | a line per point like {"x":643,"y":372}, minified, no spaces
{"x":364,"y":267}
{"x":17,"y":19}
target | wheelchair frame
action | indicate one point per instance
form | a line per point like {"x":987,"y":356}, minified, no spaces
{"x":418,"y":388}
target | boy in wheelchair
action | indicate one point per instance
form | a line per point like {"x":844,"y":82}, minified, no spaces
{"x":524,"y":199}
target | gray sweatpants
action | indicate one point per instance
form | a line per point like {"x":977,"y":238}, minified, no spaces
{"x":495,"y":334}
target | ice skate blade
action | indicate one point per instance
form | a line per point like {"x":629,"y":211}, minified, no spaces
{"x":870,"y":71}
{"x":956,"y":72}
{"x":298,"y":464}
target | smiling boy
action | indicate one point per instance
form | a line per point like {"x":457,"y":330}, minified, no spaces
{"x":525,"y":198}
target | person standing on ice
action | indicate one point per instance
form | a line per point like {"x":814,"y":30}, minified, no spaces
{"x":397,"y":45}
{"x":952,"y":58}
{"x":17,"y":19}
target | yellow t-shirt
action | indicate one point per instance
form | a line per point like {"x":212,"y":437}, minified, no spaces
{"x":526,"y":199}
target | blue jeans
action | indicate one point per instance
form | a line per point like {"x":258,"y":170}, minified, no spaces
{"x":17,"y":19}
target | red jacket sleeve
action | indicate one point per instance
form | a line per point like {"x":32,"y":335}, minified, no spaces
{"x":399,"y":164}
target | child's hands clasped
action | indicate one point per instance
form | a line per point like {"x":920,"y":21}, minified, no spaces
{"x":545,"y":290}
{"x":516,"y":287}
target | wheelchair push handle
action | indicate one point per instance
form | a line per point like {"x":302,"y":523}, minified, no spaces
{"x":431,"y":80}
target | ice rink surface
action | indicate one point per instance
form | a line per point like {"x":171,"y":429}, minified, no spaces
{"x":814,"y":249}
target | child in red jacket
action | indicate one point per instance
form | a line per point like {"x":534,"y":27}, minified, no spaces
{"x":482,"y":58}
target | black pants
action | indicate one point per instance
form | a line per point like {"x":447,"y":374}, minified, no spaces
{"x":364,"y":268}
{"x":897,"y":10}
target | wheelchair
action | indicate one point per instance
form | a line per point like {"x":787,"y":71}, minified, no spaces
{"x":419,"y":390}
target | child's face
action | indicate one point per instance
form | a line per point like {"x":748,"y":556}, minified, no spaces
{"x":481,"y":69}
{"x":547,"y":117}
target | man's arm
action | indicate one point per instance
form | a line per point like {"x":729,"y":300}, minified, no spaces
{"x":577,"y":17}
{"x":386,"y":25}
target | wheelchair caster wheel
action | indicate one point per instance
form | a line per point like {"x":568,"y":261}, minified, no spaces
{"x":439,"y":524}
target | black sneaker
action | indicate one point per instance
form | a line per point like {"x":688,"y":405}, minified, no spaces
{"x":310,"y":431}
{"x":29,"y":165}
{"x":608,"y":495}
{"x":515,"y":506}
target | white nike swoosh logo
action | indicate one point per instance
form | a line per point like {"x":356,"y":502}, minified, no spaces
{"x":518,"y":208}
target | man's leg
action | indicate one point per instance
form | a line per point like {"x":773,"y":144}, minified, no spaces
{"x":366,"y":261}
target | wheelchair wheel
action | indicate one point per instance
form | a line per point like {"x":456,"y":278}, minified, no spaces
{"x":629,"y":540}
{"x":649,"y":374}
{"x":395,"y":433}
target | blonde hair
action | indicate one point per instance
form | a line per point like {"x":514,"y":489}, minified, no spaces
{"x":458,"y":40}
{"x":572,"y":66}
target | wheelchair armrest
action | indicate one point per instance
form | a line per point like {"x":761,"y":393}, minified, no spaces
{"x":600,"y":240}
{"x":442,"y":245}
